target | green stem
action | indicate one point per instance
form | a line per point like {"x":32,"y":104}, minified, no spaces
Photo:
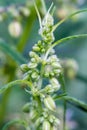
{"x":11,"y":84}
{"x":64,"y":90}
{"x":44,"y":6}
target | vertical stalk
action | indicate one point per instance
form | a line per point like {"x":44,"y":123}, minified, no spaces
{"x":44,"y":6}
{"x":65,"y":106}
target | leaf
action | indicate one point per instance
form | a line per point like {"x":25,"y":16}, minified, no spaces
{"x":12,"y":52}
{"x":64,"y":40}
{"x":11,"y":84}
{"x":79,"y":104}
{"x":68,"y":17}
{"x":69,"y":38}
{"x":20,"y":122}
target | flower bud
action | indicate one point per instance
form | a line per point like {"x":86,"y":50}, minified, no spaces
{"x":36,"y":48}
{"x":35,"y":75}
{"x":56,"y":121}
{"x":48,"y":20}
{"x":46,"y":125}
{"x":24,"y":67}
{"x":55,"y":83}
{"x":33,"y":115}
{"x":51,"y":118}
{"x":32,"y":65}
{"x":49,"y":103}
{"x":56,"y":65}
{"x":38,"y":122}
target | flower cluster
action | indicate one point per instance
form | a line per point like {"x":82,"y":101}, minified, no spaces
{"x":43,"y":71}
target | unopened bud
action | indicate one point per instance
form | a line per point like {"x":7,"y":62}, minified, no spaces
{"x":49,"y":103}
{"x":33,"y":115}
{"x":36,"y":48}
{"x":32,"y":65}
{"x":55,"y":83}
{"x":57,"y":121}
{"x":24,"y":67}
{"x":46,"y":125}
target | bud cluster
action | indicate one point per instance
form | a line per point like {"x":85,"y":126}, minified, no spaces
{"x":40,"y":69}
{"x":46,"y":29}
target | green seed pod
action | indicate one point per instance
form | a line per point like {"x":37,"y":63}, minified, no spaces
{"x":46,"y":125}
{"x":24,"y":67}
{"x":26,"y":108}
{"x":49,"y":103}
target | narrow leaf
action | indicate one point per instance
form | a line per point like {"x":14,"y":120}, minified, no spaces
{"x":76,"y":102}
{"x":68,"y":17}
{"x":20,"y":122}
{"x":64,"y":40}
{"x":69,"y":38}
{"x":11,"y":84}
{"x":12,"y":52}
{"x":79,"y":104}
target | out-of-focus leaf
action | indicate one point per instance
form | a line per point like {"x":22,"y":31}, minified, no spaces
{"x":12,"y":52}
{"x":68,"y":17}
{"x":20,"y":122}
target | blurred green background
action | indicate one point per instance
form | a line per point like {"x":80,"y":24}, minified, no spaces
{"x":13,"y":99}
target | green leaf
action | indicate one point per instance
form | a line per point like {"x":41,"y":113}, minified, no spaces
{"x":12,"y":52}
{"x":20,"y":122}
{"x":28,"y":27}
{"x":64,"y":40}
{"x":69,"y":38}
{"x":11,"y":84}
{"x":68,"y":17}
{"x":79,"y":104}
